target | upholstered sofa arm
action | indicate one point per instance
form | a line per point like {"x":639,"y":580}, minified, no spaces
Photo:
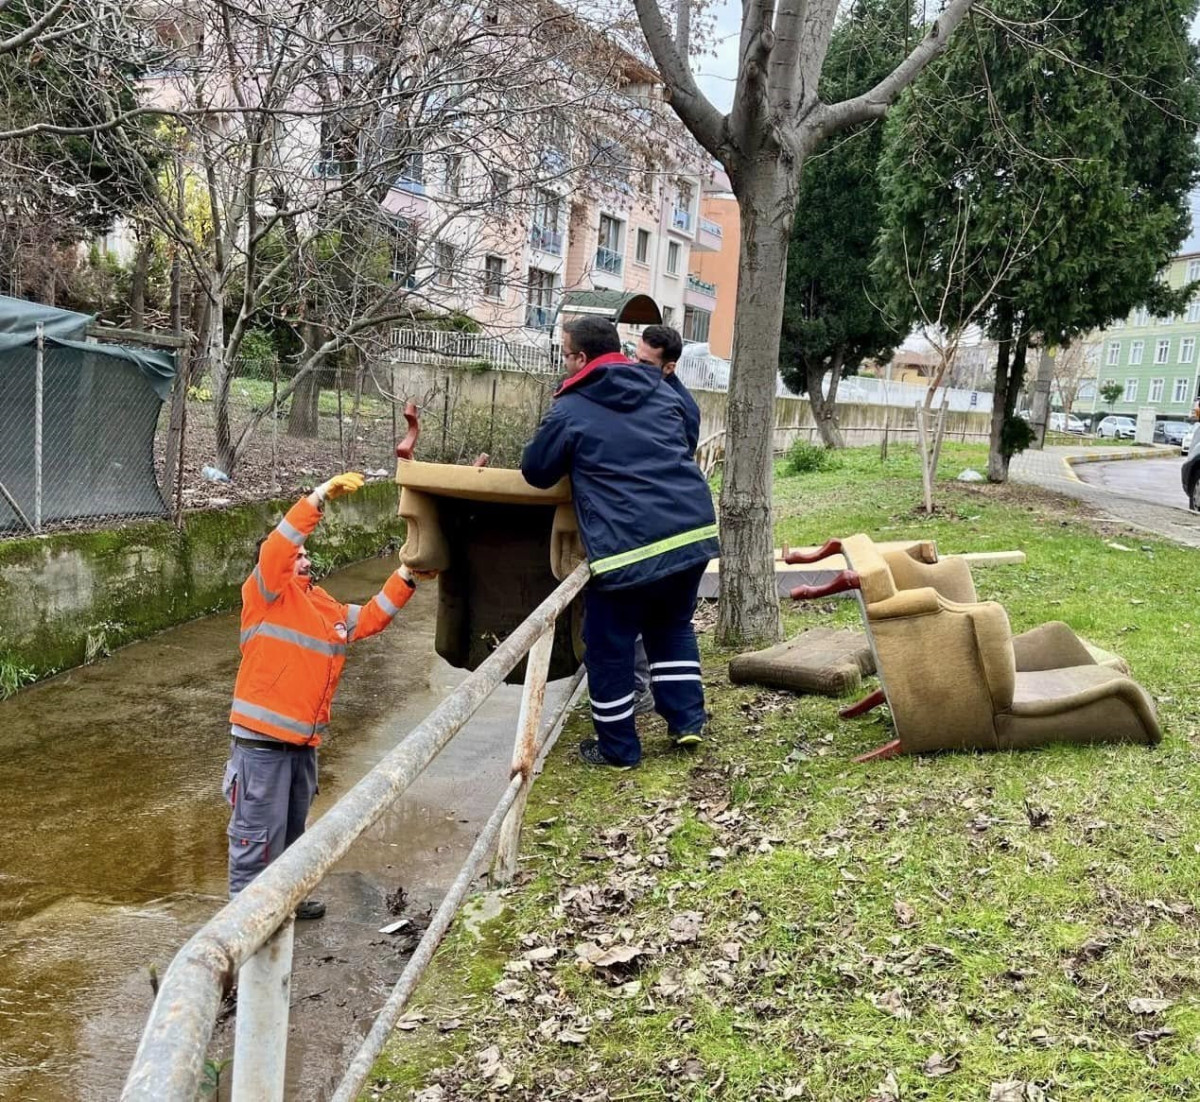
{"x":1050,"y":646}
{"x":993,"y":637}
{"x":908,"y":602}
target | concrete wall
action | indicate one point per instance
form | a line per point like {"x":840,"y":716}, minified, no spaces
{"x":861,"y":424}
{"x":66,"y":598}
{"x":528,"y":395}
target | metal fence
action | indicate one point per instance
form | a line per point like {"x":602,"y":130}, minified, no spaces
{"x":77,"y":429}
{"x":251,"y":937}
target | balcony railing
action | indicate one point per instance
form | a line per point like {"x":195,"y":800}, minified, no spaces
{"x":546,"y":239}
{"x":681,"y":219}
{"x":695,"y":283}
{"x":609,"y":260}
{"x":539,"y":317}
{"x":709,"y":226}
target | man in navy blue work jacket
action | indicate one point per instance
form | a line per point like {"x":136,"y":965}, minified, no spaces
{"x":646,"y":517}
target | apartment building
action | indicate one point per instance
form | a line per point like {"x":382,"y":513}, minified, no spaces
{"x":1154,"y":359}
{"x":713,"y":277}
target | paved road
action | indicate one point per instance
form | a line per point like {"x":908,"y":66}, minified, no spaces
{"x":1049,"y":469}
{"x":1152,"y":480}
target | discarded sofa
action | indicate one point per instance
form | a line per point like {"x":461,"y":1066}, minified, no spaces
{"x":500,"y":547}
{"x":955,"y":677}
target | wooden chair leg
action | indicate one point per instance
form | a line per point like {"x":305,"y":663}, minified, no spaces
{"x":880,"y":753}
{"x":862,"y":707}
{"x":831,"y":547}
{"x":843,"y":581}
{"x":404,"y":450}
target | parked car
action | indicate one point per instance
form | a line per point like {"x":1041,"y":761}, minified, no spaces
{"x":1067,"y":422}
{"x":1189,"y":438}
{"x":1116,"y":428}
{"x":1171,"y":432}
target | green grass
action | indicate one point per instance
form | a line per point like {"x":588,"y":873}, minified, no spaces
{"x":257,"y":393}
{"x":881,"y":914}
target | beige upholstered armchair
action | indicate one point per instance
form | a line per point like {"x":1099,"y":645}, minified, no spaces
{"x":948,"y":665}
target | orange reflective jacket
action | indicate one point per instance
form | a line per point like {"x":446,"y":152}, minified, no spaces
{"x":294,"y":637}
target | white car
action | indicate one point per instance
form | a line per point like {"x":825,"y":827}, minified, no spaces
{"x":1116,"y":428}
{"x":1067,"y":422}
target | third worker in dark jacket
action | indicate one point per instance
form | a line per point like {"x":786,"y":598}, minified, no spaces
{"x":646,"y":518}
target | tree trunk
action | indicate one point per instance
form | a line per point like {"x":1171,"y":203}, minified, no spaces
{"x":137,"y":286}
{"x":188,"y":363}
{"x":1040,"y":406}
{"x":824,"y":407}
{"x":749,"y":609}
{"x":304,"y":417}
{"x":221,"y":373}
{"x":997,"y":470}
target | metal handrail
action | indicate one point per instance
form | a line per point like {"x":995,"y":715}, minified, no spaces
{"x":251,"y":936}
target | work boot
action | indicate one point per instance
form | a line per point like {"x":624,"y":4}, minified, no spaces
{"x":591,"y":754}
{"x":644,"y":704}
{"x":310,"y":908}
{"x":686,"y":740}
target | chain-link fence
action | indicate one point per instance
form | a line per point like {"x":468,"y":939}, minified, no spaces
{"x":290,"y":434}
{"x":77,"y":424}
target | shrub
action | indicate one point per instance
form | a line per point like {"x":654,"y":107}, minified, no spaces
{"x":1016,"y":436}
{"x":805,"y":457}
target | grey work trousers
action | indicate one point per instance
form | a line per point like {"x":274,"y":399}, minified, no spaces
{"x":270,"y":791}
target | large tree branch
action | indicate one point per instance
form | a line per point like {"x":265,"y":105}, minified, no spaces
{"x":873,"y":104}
{"x":31,"y":32}
{"x":692,"y":106}
{"x":784,"y":65}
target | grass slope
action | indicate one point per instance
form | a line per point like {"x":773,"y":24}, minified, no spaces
{"x":960,"y":927}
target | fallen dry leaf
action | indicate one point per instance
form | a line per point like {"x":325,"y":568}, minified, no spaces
{"x":450,"y":1025}
{"x":541,"y":954}
{"x":571,"y":1037}
{"x":892,"y":1002}
{"x":1149,"y":1006}
{"x":685,"y":927}
{"x":410,"y":1021}
{"x":888,"y":1089}
{"x":693,"y":1070}
{"x":731,"y":950}
{"x":906,"y":914}
{"x":938,"y":1065}
{"x":511,"y":991}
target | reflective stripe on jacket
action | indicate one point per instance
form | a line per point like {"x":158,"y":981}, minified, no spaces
{"x":294,"y":637}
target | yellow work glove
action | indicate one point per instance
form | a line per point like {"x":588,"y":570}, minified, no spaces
{"x":340,"y":485}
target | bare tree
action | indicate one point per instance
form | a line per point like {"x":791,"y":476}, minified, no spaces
{"x":776,"y":122}
{"x":349,"y":167}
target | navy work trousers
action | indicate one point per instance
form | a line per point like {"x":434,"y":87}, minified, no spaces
{"x":661,"y":613}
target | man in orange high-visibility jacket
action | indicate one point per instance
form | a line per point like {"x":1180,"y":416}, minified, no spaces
{"x":293,"y":642}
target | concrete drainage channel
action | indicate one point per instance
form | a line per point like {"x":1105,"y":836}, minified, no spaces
{"x":115,"y":845}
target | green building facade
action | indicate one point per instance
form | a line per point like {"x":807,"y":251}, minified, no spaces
{"x":1156,"y":360}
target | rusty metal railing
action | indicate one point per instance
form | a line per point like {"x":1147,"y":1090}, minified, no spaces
{"x":251,"y":937}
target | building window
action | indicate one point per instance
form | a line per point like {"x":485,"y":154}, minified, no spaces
{"x":1141,"y":316}
{"x":1181,"y":391}
{"x":609,"y":257}
{"x":668,"y":315}
{"x":1187,"y":348}
{"x":1193,"y":271}
{"x":404,"y":252}
{"x":1135,"y":352}
{"x":539,"y":311}
{"x":681,"y":216}
{"x":452,"y":174}
{"x":1156,"y":391}
{"x":501,"y":182}
{"x":695,"y":324}
{"x":412,"y":171}
{"x":445,"y":260}
{"x":1131,"y":387}
{"x":673,"y":258}
{"x":1114,"y":353}
{"x":493,"y":277}
{"x":1162,"y":351}
{"x":543,"y":231}
{"x":642,"y":252}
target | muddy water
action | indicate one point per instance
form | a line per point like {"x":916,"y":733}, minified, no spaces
{"x":113,"y":848}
